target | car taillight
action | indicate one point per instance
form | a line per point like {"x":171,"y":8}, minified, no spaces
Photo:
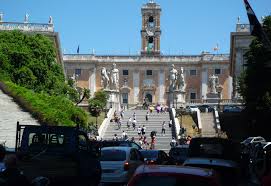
{"x":126,"y":166}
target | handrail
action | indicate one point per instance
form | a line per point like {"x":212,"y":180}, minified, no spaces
{"x":199,"y":120}
{"x":105,"y":123}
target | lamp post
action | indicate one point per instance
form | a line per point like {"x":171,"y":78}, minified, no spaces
{"x":219,"y":90}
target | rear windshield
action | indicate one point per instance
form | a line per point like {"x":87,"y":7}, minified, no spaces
{"x":178,"y":151}
{"x":113,"y":155}
{"x":159,"y":180}
{"x":149,"y":154}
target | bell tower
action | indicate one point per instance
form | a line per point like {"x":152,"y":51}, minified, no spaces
{"x":151,"y":32}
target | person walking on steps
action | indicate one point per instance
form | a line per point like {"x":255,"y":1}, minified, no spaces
{"x":143,"y":130}
{"x":134,"y":124}
{"x":139,"y":131}
{"x":163,"y":132}
{"x":147,"y":116}
{"x":129,"y":122}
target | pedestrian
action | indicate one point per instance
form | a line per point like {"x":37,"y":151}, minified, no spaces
{"x":145,"y":143}
{"x":115,"y":138}
{"x":119,"y":124}
{"x":132,"y":139}
{"x":121,"y":114}
{"x":153,"y":141}
{"x":170,"y":123}
{"x":173,"y":142}
{"x":143,"y":130}
{"x":134,"y":115}
{"x":129,"y":122}
{"x":147,"y":116}
{"x":2,"y":156}
{"x":134,"y":124}
{"x":139,"y":130}
{"x":153,"y":133}
{"x":12,"y":176}
{"x":124,"y":135}
{"x":188,"y":139}
{"x":163,"y":132}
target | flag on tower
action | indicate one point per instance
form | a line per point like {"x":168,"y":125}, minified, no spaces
{"x":255,"y":26}
{"x":78,"y":49}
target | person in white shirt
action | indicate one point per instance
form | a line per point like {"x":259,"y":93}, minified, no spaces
{"x":173,"y":142}
{"x":139,"y":131}
{"x":134,"y":124}
{"x":124,"y":135}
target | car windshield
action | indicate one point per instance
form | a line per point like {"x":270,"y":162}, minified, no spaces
{"x":149,"y":154}
{"x":248,"y":140}
{"x":113,"y":155}
{"x":168,"y":180}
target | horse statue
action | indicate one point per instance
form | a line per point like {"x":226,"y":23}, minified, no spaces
{"x":104,"y":78}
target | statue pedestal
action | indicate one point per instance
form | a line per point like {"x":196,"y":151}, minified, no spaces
{"x":114,"y":99}
{"x":213,"y":97}
{"x":180,"y":98}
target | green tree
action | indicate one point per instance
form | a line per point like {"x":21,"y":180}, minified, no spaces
{"x":97,"y":103}
{"x":255,"y":86}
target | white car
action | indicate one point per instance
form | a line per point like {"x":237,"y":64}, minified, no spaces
{"x":119,"y":163}
{"x":252,"y":140}
{"x":192,"y":108}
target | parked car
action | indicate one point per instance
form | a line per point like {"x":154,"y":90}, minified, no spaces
{"x":171,"y":175}
{"x":112,"y":143}
{"x":191,"y":108}
{"x":203,"y":108}
{"x":158,"y":157}
{"x":178,"y":154}
{"x":253,"y":140}
{"x":119,"y":163}
{"x":214,"y":147}
{"x":232,"y":108}
{"x":228,"y":170}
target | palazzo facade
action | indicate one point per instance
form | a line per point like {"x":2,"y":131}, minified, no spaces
{"x":147,"y":75}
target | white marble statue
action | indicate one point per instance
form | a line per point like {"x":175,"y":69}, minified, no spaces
{"x":104,"y":78}
{"x":180,"y":81}
{"x":114,"y":75}
{"x":26,"y":18}
{"x":50,"y":20}
{"x":73,"y":78}
{"x":173,"y":75}
{"x":213,"y":83}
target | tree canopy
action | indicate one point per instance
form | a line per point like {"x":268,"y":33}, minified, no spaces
{"x":255,"y":86}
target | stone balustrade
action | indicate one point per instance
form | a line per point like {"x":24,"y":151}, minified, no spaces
{"x":30,"y":27}
{"x":137,"y":58}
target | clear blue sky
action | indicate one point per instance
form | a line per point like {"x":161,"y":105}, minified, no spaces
{"x":113,"y":26}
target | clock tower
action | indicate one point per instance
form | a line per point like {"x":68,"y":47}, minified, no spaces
{"x":151,"y":32}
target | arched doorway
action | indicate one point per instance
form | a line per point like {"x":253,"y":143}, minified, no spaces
{"x":148,"y":97}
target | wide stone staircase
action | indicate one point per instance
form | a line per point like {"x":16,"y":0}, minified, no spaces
{"x":153,"y":124}
{"x":208,"y":125}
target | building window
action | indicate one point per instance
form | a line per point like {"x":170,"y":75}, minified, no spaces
{"x":193,"y":72}
{"x":125,"y":72}
{"x":78,"y":72}
{"x":217,"y":71}
{"x":149,"y":72}
{"x":193,"y":95}
{"x":125,"y":98}
{"x":151,"y":21}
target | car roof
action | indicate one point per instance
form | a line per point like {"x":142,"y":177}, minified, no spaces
{"x":167,"y":169}
{"x":118,"y":148}
{"x":154,"y":150}
{"x":210,"y":161}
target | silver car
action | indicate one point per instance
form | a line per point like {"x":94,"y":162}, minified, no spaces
{"x":119,"y":163}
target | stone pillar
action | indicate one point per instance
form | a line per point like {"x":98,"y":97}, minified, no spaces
{"x":230,"y":89}
{"x":161,"y":86}
{"x":204,"y":83}
{"x":92,"y":81}
{"x":136,"y":86}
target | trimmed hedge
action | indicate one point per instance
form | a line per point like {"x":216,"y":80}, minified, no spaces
{"x":52,"y":110}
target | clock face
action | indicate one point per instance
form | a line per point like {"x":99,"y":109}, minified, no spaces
{"x":150,"y":32}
